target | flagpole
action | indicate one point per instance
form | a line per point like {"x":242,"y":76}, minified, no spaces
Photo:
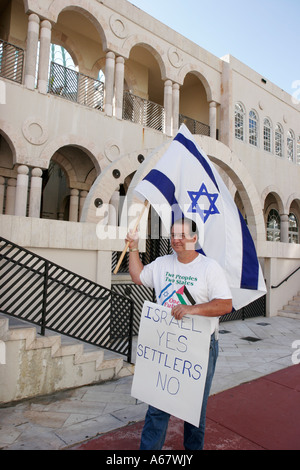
{"x":146,"y":204}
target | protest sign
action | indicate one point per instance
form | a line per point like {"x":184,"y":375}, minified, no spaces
{"x":171,"y":362}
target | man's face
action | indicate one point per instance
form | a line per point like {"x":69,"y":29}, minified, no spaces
{"x":181,"y":238}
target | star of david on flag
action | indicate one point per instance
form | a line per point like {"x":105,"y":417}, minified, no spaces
{"x":196,"y":207}
{"x":186,"y":183}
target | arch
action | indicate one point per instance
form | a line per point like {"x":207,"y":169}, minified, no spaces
{"x":14,"y":140}
{"x":278,"y":196}
{"x":71,"y":140}
{"x":85,"y":7}
{"x":106,"y":183}
{"x":151,"y":45}
{"x":202,"y":75}
{"x":295,"y":197}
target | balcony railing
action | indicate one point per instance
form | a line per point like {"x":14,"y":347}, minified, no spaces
{"x":76,"y":87}
{"x":11,"y":61}
{"x":81,"y":89}
{"x":143,"y":112}
{"x":195,"y":127}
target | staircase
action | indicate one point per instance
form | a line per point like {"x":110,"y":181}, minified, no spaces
{"x":37,"y":365}
{"x":292,"y":310}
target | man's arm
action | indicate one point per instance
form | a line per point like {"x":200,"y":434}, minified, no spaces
{"x":135,"y":264}
{"x":214,"y":308}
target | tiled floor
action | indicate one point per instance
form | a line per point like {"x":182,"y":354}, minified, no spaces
{"x":67,"y":418}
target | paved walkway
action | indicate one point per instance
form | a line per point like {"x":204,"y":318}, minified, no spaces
{"x":254,"y":401}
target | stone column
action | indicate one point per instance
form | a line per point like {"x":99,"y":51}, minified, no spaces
{"x":168,"y":107}
{"x":2,"y":191}
{"x":175,"y":107}
{"x":21,"y":191}
{"x":31,"y":50}
{"x":109,"y":83}
{"x":83,"y":195}
{"x":74,"y":205}
{"x":10,"y":196}
{"x":213,"y":119}
{"x":45,"y":42}
{"x":284,"y":228}
{"x":35,"y":196}
{"x":119,"y":87}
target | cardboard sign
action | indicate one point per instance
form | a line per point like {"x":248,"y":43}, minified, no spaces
{"x":171,"y":362}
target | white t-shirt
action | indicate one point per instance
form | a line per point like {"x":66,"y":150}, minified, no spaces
{"x":197,"y":282}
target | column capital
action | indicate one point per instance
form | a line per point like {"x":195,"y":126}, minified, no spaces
{"x":110,"y":55}
{"x":23,"y":170}
{"x":36,"y":172}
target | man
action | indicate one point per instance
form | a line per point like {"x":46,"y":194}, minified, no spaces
{"x":208,"y":295}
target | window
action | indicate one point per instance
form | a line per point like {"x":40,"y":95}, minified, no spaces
{"x":273,"y":226}
{"x":279,"y":141}
{"x":239,"y":121}
{"x":290,"y":142}
{"x":253,"y":120}
{"x":293,"y":229}
{"x":298,"y":150}
{"x":60,"y":55}
{"x":267,"y":135}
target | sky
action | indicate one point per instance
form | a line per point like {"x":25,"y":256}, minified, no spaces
{"x":263,"y":34}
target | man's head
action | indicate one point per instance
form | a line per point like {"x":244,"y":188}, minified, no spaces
{"x":184,"y":235}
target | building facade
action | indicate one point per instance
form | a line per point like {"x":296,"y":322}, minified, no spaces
{"x":92,"y":92}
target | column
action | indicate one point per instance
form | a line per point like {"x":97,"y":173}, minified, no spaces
{"x":74,"y":205}
{"x":2,"y":191}
{"x":168,"y":107}
{"x":213,"y":119}
{"x":45,"y":41}
{"x":35,"y":196}
{"x":10,"y":196}
{"x":175,"y":107}
{"x":21,"y":191}
{"x":109,"y":83}
{"x":284,"y":228}
{"x":83,"y":195}
{"x":31,"y":50}
{"x":119,"y":87}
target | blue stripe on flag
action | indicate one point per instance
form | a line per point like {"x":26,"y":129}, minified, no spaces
{"x":250,"y":266}
{"x":191,"y":147}
{"x":167,"y":189}
{"x":163,"y":184}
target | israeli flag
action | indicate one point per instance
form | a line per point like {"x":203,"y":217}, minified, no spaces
{"x":185,"y":183}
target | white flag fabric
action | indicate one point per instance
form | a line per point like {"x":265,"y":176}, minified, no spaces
{"x":186,"y":184}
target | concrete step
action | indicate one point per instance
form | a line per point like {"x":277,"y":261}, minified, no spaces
{"x":289,"y":313}
{"x":51,"y":363}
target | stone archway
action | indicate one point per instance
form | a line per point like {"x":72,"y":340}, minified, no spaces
{"x":110,"y":178}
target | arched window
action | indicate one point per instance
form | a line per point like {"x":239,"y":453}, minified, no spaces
{"x":290,"y":142}
{"x":298,"y":150}
{"x":279,"y":141}
{"x":273,"y":226}
{"x":267,"y":135}
{"x":239,"y":118}
{"x":60,"y":55}
{"x":253,"y":128}
{"x":293,"y":229}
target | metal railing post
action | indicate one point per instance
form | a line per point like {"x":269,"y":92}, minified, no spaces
{"x":44,"y":303}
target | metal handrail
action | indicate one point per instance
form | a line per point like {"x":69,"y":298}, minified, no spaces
{"x":286,"y":279}
{"x":38,"y":291}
